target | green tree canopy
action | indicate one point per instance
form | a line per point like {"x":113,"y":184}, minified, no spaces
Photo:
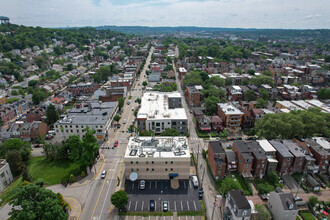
{"x":120,"y":101}
{"x":193,"y":78}
{"x":324,"y":93}
{"x":119,"y":199}
{"x":16,"y":144}
{"x":52,"y":114}
{"x":262,"y":79}
{"x":36,"y":203}
{"x":229,"y":184}
{"x":170,"y":132}
{"x":217,"y":81}
{"x":211,"y":104}
{"x":250,"y":95}
{"x":294,"y":124}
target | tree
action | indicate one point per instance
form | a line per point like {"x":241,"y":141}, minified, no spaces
{"x":14,"y":159}
{"x":217,"y":81}
{"x":324,"y":93}
{"x":36,"y":203}
{"x":264,"y":94}
{"x":262,"y":79}
{"x":193,"y":78}
{"x":211,"y":104}
{"x":251,"y":71}
{"x":250,"y":95}
{"x":16,"y":144}
{"x":120,"y":102}
{"x":228,"y":81}
{"x":170,"y":132}
{"x":138,"y":100}
{"x":146,"y":133}
{"x":313,"y":200}
{"x":229,"y":184}
{"x":14,"y":92}
{"x":52,"y":114}
{"x":267,"y":73}
{"x":119,"y":199}
{"x":83,"y":151}
{"x":273,"y":177}
{"x":117,"y":118}
{"x":264,"y":187}
{"x":261,"y":103}
{"x":245,"y":82}
{"x":145,"y":83}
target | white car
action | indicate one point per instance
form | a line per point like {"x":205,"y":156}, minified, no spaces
{"x":124,"y":122}
{"x":142,"y":184}
{"x":103,"y":174}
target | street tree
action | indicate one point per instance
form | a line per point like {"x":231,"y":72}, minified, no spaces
{"x":229,"y":184}
{"x":170,"y":132}
{"x":145,"y":83}
{"x":117,"y":118}
{"x":35,"y":202}
{"x":324,"y":93}
{"x":120,"y":102}
{"x":52,"y":114}
{"x":119,"y":199}
{"x":211,"y":104}
{"x":250,"y":95}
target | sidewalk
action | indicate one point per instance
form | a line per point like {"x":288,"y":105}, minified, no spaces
{"x":75,"y":207}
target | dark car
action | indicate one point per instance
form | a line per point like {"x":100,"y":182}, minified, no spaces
{"x":238,"y":138}
{"x":323,"y":185}
{"x":118,"y":125}
{"x":152,"y":205}
{"x":115,"y":144}
{"x":200,"y":194}
{"x":251,"y":138}
{"x":230,"y":138}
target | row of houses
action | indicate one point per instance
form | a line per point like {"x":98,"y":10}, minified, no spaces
{"x":257,"y":158}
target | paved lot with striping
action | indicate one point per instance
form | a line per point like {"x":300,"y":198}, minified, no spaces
{"x":185,"y":198}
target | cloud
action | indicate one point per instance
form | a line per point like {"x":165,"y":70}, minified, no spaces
{"x":207,"y":13}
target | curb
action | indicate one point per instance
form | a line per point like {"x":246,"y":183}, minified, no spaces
{"x":98,"y":170}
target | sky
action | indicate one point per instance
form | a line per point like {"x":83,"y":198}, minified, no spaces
{"x":286,"y":14}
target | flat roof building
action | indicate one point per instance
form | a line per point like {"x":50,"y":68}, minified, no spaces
{"x":158,"y":158}
{"x":161,"y":110}
{"x":97,"y":116}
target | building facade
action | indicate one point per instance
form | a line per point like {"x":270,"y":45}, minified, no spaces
{"x":6,"y":177}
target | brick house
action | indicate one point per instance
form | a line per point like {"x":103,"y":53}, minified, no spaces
{"x":234,"y":93}
{"x":38,"y":129}
{"x":193,"y":96}
{"x":320,"y":154}
{"x":203,"y":123}
{"x":231,"y":161}
{"x":113,"y":93}
{"x":216,"y":123}
{"x":259,"y":159}
{"x":35,"y":114}
{"x":83,"y":88}
{"x":299,"y":156}
{"x":182,"y":72}
{"x":217,"y":159}
{"x":7,"y":113}
{"x":283,"y":156}
{"x":230,"y":115}
{"x":245,"y":159}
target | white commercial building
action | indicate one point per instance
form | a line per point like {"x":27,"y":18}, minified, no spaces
{"x":5,"y":175}
{"x":161,"y":110}
{"x":158,"y":158}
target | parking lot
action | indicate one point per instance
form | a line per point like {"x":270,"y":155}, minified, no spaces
{"x":185,"y":198}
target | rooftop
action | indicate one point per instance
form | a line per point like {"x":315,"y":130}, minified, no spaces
{"x":251,"y":147}
{"x":289,"y":105}
{"x":216,"y":147}
{"x":89,"y":113}
{"x":302,"y":104}
{"x":323,"y":142}
{"x":294,"y":148}
{"x":281,"y":148}
{"x":319,"y":104}
{"x":240,"y":200}
{"x":266,"y":145}
{"x":229,"y":109}
{"x":159,"y":147}
{"x":154,"y":105}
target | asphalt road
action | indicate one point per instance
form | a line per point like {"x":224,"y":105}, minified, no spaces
{"x":97,"y":204}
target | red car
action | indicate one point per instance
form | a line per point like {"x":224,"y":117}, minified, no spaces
{"x":115,"y":144}
{"x":230,"y":138}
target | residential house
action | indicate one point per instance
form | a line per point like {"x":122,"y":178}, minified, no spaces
{"x":234,"y":93}
{"x":216,"y":123}
{"x":283,"y":156}
{"x":282,"y":206}
{"x":36,"y":114}
{"x":216,"y":157}
{"x":182,"y":72}
{"x":6,"y":177}
{"x":113,"y":93}
{"x":203,"y":123}
{"x":299,"y":156}
{"x":259,"y":159}
{"x":83,"y":88}
{"x":193,"y":96}
{"x":7,"y":113}
{"x":237,"y":206}
{"x":270,"y":153}
{"x":320,"y":154}
{"x":232,"y":161}
{"x":230,"y":115}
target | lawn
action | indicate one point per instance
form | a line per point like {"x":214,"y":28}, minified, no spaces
{"x":8,"y":194}
{"x":52,"y":171}
{"x":306,"y":215}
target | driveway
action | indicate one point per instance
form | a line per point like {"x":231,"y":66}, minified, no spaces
{"x":290,"y":182}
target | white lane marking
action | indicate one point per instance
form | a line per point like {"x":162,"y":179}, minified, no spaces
{"x":175,"y":205}
{"x":188,"y":206}
{"x":181,"y":206}
{"x":190,"y":184}
{"x":136,"y":205}
{"x":142,"y":205}
{"x":184,"y":183}
{"x":129,"y":205}
{"x":195,"y":205}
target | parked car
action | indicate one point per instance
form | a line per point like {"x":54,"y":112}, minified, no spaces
{"x":264,"y":196}
{"x":194,"y":181}
{"x":200,"y":193}
{"x":115,"y":144}
{"x":128,"y":102}
{"x":142,"y":184}
{"x":238,"y":138}
{"x":124,"y":122}
{"x":298,"y":199}
{"x":165,"y":206}
{"x":251,"y":138}
{"x":118,"y":125}
{"x":230,"y":138}
{"x":301,"y":203}
{"x":152,"y":205}
{"x":103,"y":174}
{"x":323,"y":185}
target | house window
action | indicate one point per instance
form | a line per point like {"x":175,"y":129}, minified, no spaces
{"x":165,"y":162}
{"x":171,"y":162}
{"x":147,"y":162}
{"x":152,"y":162}
{"x":137,"y":169}
{"x":132,"y":169}
{"x":152,"y":169}
{"x":165,"y":169}
{"x":147,"y":169}
{"x":171,"y":169}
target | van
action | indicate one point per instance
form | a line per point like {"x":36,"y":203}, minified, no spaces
{"x":194,"y":181}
